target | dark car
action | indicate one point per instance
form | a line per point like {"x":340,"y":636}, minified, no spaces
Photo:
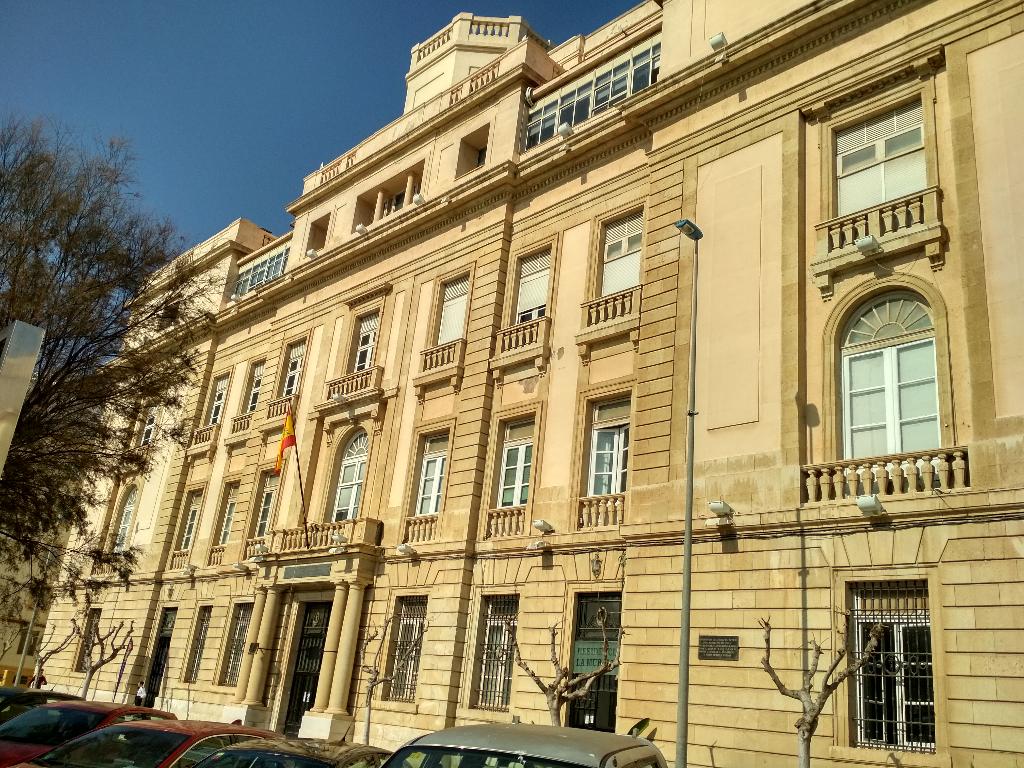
{"x":14,"y":701}
{"x":146,"y":744}
{"x":296,"y":753}
{"x":44,"y":727}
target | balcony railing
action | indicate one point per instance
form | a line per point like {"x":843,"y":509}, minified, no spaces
{"x":241,"y":423}
{"x":506,"y":521}
{"x":894,"y":476}
{"x":420,"y":528}
{"x":255,"y":546}
{"x":278,"y":407}
{"x":612,"y":307}
{"x":522,"y":336}
{"x":313,"y":536}
{"x":897,"y":225}
{"x":216,"y":555}
{"x":601,"y":511}
{"x":355,"y":384}
{"x":179,"y":559}
{"x":442,"y":355}
{"x":203,"y":435}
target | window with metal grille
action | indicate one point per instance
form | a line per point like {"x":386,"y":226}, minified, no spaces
{"x":255,"y":384}
{"x":220,"y":393}
{"x":406,"y":647}
{"x":366,"y":341}
{"x":293,"y":369}
{"x":881,"y":159}
{"x":532,"y":297}
{"x":454,"y":296}
{"x":195,"y":656}
{"x":92,"y":625}
{"x":893,"y":693}
{"x":188,"y":530}
{"x":259,"y":272}
{"x":236,"y":644}
{"x":620,"y":269}
{"x":497,"y":639}
{"x":227,"y":517}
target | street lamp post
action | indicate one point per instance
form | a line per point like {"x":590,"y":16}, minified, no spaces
{"x":692,"y":231}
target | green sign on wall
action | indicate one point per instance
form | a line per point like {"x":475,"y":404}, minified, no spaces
{"x":587,"y":655}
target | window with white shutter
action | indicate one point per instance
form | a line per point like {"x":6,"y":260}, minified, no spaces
{"x":454,"y":297}
{"x":621,"y":258}
{"x":188,"y":530}
{"x":366,"y":341}
{"x":266,"y":502}
{"x":255,"y":384}
{"x":881,"y":159}
{"x":293,"y":371}
{"x":227,"y":517}
{"x":220,"y":393}
{"x":532,"y":296}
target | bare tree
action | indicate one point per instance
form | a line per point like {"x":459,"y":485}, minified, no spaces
{"x":102,"y":648}
{"x":565,"y":686}
{"x":812,"y":704}
{"x":45,"y":651}
{"x":374,"y":676}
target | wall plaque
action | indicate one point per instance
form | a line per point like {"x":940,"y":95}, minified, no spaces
{"x":718,"y":647}
{"x":307,"y":571}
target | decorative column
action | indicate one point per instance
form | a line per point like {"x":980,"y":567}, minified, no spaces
{"x":323,"y":683}
{"x":250,"y":637}
{"x":346,"y":650}
{"x":410,"y":181}
{"x":261,"y":659}
{"x":378,"y":211}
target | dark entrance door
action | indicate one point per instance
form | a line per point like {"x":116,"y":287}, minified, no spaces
{"x":596,"y":710}
{"x":160,"y":655}
{"x":307,"y":665}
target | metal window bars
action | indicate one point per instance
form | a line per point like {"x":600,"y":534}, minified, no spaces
{"x":406,"y":645}
{"x":497,"y":639}
{"x":236,"y":643}
{"x":893,"y":697}
{"x":198,"y":644}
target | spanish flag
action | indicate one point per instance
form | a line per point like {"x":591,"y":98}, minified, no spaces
{"x":287,"y":440}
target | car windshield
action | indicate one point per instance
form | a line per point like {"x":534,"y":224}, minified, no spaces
{"x":258,"y":758}
{"x":49,"y":725}
{"x":115,"y":747}
{"x":457,"y":757}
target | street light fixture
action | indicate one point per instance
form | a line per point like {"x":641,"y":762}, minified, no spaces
{"x":690,"y":230}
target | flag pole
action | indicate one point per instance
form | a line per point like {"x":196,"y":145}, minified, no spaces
{"x":302,"y":495}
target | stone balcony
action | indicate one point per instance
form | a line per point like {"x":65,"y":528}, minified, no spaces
{"x":257,"y":546}
{"x":420,"y":528}
{"x":597,"y":512}
{"x":442,"y":364}
{"x":179,"y":560}
{"x":204,"y":440}
{"x":216,"y":555}
{"x":320,"y":536}
{"x":277,"y":408}
{"x":608,"y":317}
{"x":238,"y":429}
{"x":522,"y":345}
{"x":354,"y":388}
{"x":909,"y":222}
{"x":505,"y":522}
{"x":902,"y":475}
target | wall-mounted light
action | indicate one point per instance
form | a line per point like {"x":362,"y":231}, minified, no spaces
{"x":869,"y":505}
{"x":867,"y":245}
{"x":311,"y":253}
{"x":405,"y":549}
{"x":721,"y":514}
{"x":543,"y":526}
{"x":595,"y":566}
{"x":361,"y":229}
{"x":189,"y":570}
{"x":418,"y":199}
{"x":564,"y":130}
{"x":241,"y":567}
{"x":539,"y":544}
{"x":718,"y":43}
{"x":689,"y":229}
{"x":338,"y":540}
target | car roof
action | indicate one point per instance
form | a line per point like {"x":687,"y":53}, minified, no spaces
{"x":569,"y":745}
{"x":195,"y":727}
{"x":317,"y":750}
{"x":103,"y":706}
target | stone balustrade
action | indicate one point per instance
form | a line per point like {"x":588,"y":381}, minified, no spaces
{"x":355,"y":383}
{"x":203,"y":436}
{"x":434,"y":43}
{"x":179,"y":560}
{"x":521,"y":336}
{"x":505,"y":522}
{"x":442,"y":356}
{"x":241,"y":423}
{"x":420,"y":528}
{"x":894,"y":476}
{"x":216,"y":555}
{"x":313,"y":536}
{"x":254,"y":547}
{"x":612,"y":307}
{"x":278,"y":407}
{"x":601,"y":511}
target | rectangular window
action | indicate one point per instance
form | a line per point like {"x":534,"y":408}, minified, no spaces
{"x":594,"y":93}
{"x":497,"y":640}
{"x":609,"y":448}
{"x":532,"y":295}
{"x":893,"y":694}
{"x":259,"y":272}
{"x":435,"y":452}
{"x":227,"y":517}
{"x":881,"y":159}
{"x":195,"y":655}
{"x":255,"y":384}
{"x":366,"y":341}
{"x":92,"y":625}
{"x":454,"y":296}
{"x":188,"y":531}
{"x":891,"y":400}
{"x":516,"y":459}
{"x":149,"y":428}
{"x":620,"y":266}
{"x":266,"y":501}
{"x":406,"y":646}
{"x":293,"y":369}
{"x":236,"y":643}
{"x":220,"y":393}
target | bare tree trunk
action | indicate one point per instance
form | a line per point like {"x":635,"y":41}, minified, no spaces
{"x":87,"y":682}
{"x":555,"y":709}
{"x":366,"y":716}
{"x":804,"y":749}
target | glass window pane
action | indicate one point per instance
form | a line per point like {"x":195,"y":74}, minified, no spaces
{"x":867,"y":408}
{"x":860,"y":190}
{"x":858,"y":158}
{"x":917,"y":400}
{"x":603,"y":462}
{"x":904,"y":174}
{"x":602,"y":485}
{"x":869,"y":442}
{"x":866,"y":371}
{"x":344,"y":498}
{"x":902,"y":142}
{"x":920,"y":435}
{"x":916,"y":361}
{"x":605,"y":440}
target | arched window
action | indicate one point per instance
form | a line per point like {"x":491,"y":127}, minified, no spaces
{"x":890,"y":398}
{"x":124,"y":519}
{"x":350,"y":478}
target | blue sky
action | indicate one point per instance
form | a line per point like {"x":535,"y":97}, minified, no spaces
{"x":228,"y":104}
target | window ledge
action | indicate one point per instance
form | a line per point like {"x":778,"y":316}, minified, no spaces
{"x":441,"y":364}
{"x":405,"y":707}
{"x":607,"y":317}
{"x":469,"y":714}
{"x":866,"y":756}
{"x":524,"y":344}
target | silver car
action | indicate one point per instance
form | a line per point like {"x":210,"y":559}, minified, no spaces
{"x":525,"y":746}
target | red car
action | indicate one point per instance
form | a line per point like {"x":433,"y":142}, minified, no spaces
{"x":146,"y":744}
{"x":42,"y":728}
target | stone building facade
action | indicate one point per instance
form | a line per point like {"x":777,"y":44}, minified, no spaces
{"x":481,"y":320}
